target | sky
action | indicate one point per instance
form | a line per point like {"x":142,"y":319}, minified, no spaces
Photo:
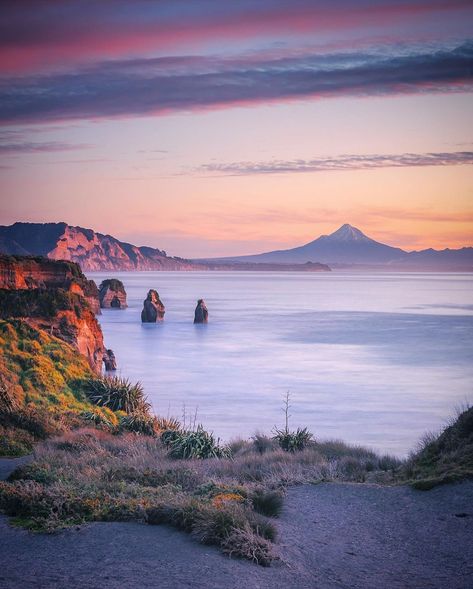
{"x":210,"y":128}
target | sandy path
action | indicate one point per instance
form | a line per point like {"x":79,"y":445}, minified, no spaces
{"x":332,"y":536}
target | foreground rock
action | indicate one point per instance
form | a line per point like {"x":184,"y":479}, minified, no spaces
{"x":153,"y":308}
{"x":112,"y":294}
{"x":201,"y":314}
{"x":109,"y":360}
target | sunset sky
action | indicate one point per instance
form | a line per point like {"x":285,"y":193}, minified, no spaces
{"x":211,"y":128}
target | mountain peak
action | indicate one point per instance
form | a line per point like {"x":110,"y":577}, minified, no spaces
{"x":348,"y":233}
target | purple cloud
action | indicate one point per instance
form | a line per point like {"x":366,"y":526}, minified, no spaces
{"x":35,"y":34}
{"x":340,"y":163}
{"x":143,"y":87}
{"x":39,"y":147}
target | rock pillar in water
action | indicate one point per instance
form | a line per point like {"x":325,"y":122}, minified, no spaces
{"x":112,"y":294}
{"x":109,"y":360}
{"x":201,"y":314}
{"x":153,"y":308}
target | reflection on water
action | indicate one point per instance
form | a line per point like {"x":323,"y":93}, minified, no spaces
{"x":375,"y":359}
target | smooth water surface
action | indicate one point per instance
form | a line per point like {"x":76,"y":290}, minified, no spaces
{"x":373,"y":358}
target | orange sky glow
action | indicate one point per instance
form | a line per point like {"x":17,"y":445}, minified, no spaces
{"x":210,"y":135}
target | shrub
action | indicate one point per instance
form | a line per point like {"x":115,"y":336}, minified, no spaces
{"x":194,"y":444}
{"x":8,"y":402}
{"x":168,"y":424}
{"x":292,"y":441}
{"x":38,"y":422}
{"x":262,"y":443}
{"x":97,"y":419}
{"x":15,"y":442}
{"x":244,"y":543}
{"x":116,"y":393}
{"x":268,"y":503}
{"x":213,"y":525}
{"x":139,"y":423}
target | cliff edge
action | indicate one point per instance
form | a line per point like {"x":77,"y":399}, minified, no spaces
{"x":53,"y":296}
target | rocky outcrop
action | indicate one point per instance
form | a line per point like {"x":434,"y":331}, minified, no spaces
{"x":35,"y":272}
{"x":109,"y":360}
{"x":201,"y":314}
{"x":153,"y":308}
{"x":112,"y":294}
{"x":55,"y":297}
{"x":91,"y":250}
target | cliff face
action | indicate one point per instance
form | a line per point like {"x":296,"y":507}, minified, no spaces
{"x":91,"y":250}
{"x":25,"y":272}
{"x":55,"y":297}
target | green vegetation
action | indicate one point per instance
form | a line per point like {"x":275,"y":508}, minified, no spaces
{"x":445,"y":458}
{"x":293,"y":441}
{"x":45,"y":303}
{"x":118,"y":394}
{"x":41,"y":387}
{"x":196,"y":443}
{"x":140,"y":422}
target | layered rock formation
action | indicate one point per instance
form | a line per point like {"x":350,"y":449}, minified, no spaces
{"x":201,"y":314}
{"x":91,"y":250}
{"x":153,"y":308}
{"x":54,"y":297}
{"x":29,"y":272}
{"x":112,"y":294}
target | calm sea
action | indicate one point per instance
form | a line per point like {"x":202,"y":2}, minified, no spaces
{"x":374,"y":359}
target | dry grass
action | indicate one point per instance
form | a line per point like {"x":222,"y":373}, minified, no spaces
{"x":92,"y":475}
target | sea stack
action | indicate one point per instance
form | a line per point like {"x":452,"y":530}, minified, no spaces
{"x":153,"y":308}
{"x":112,"y":294}
{"x":109,"y":360}
{"x":201,"y":314}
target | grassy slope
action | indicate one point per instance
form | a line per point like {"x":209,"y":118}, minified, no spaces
{"x":446,"y":458}
{"x":42,"y":377}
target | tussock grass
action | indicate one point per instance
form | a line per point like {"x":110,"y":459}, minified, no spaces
{"x":118,"y":394}
{"x":443,"y":458}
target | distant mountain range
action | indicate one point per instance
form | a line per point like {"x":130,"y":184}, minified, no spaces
{"x":93,"y":251}
{"x":349,"y":246}
{"x":346,"y":247}
{"x":96,"y":251}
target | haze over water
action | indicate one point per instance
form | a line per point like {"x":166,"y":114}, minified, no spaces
{"x":372,"y":358}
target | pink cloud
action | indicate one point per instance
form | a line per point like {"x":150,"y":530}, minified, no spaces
{"x":45,"y":33}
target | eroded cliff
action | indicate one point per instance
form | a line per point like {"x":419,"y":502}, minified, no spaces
{"x":56,"y":297}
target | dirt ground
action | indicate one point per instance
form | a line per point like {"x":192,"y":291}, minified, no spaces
{"x":330,"y":536}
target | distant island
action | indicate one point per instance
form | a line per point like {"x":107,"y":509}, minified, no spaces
{"x":347,"y":247}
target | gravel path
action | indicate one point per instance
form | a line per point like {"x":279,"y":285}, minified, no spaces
{"x":331,"y":536}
